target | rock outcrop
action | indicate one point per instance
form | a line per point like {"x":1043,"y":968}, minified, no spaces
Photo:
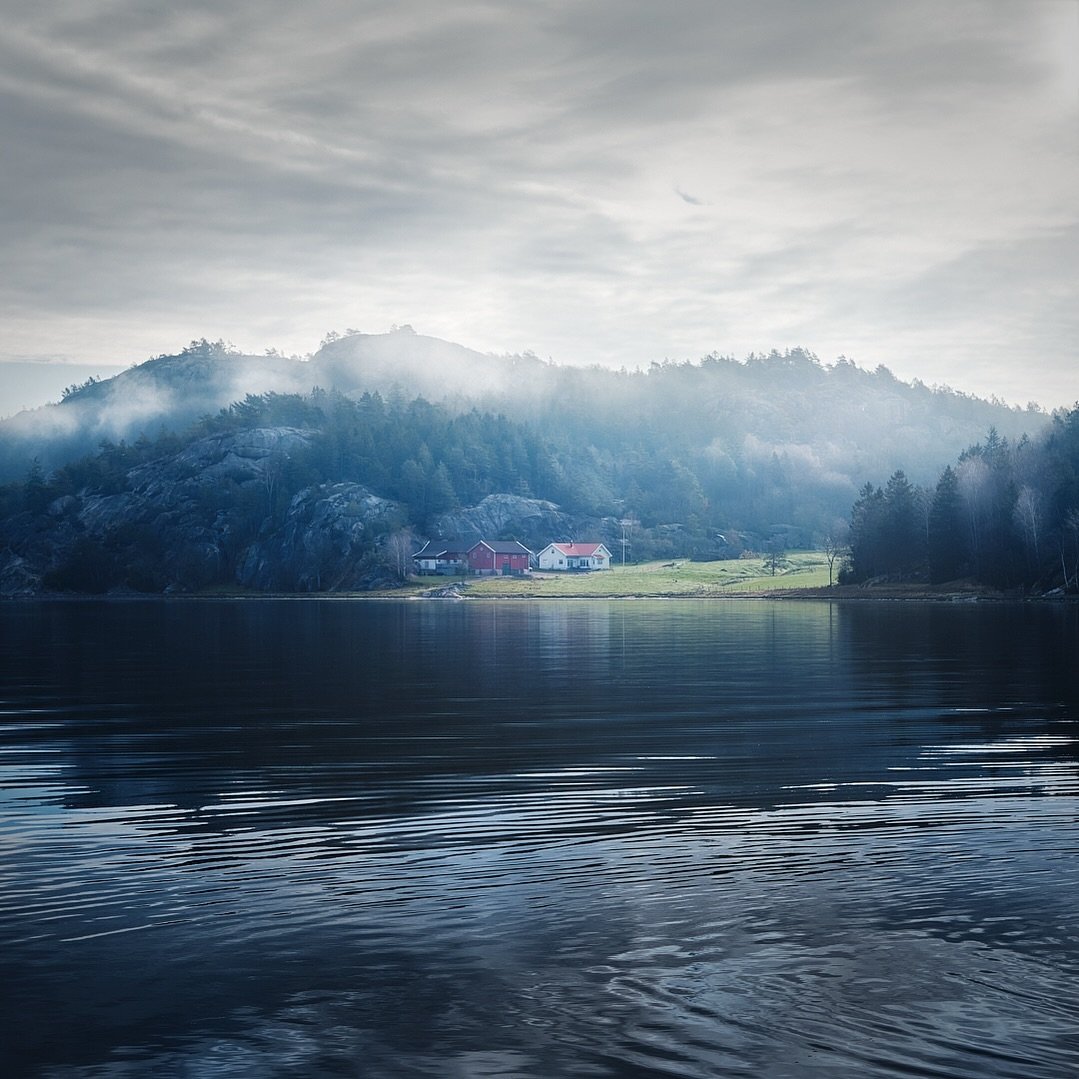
{"x":208,"y":515}
{"x":324,"y":544}
{"x":233,"y":509}
{"x":533,"y":521}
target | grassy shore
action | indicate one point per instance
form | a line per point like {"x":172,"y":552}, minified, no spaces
{"x":743,"y":576}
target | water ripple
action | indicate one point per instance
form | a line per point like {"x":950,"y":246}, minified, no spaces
{"x":766,"y":844}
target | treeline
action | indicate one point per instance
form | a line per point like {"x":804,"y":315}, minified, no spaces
{"x":414,"y":452}
{"x":1005,"y":514}
{"x":774,"y":447}
{"x":191,"y":511}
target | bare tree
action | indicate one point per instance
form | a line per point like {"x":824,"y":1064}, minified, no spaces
{"x":973,"y":476}
{"x":1028,"y":513}
{"x":835,"y":545}
{"x":273,"y":469}
{"x":774,"y":554}
{"x":399,"y":548}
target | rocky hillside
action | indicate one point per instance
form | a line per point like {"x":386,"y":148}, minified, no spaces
{"x":199,"y":518}
{"x":221,"y":512}
{"x":534,"y":521}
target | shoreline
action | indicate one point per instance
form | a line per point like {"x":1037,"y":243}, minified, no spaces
{"x":785,"y":595}
{"x":451,"y":594}
{"x":804,"y":578}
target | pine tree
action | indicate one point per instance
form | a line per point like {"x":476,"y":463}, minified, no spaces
{"x":866,"y":521}
{"x":902,"y":545}
{"x":948,"y":550}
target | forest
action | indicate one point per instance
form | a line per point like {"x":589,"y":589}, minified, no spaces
{"x":779,"y":440}
{"x":1005,"y":514}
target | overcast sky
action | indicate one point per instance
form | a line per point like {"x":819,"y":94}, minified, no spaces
{"x":612,"y":181}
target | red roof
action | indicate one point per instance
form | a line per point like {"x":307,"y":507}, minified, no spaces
{"x":578,"y":550}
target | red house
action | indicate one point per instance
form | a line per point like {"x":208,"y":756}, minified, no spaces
{"x":508,"y":558}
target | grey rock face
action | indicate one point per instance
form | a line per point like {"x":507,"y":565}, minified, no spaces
{"x":324,"y":544}
{"x":505,"y":517}
{"x":214,"y":514}
{"x":209,"y":514}
{"x":531,"y":520}
{"x":256,"y":454}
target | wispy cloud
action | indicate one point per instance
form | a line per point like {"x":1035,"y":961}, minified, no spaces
{"x":890,"y":181}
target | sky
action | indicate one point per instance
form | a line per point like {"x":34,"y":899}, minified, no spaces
{"x":595,"y":181}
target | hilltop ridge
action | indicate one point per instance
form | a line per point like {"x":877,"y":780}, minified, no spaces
{"x":784,"y":403}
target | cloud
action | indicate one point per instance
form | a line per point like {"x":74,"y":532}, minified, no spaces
{"x":502,"y":174}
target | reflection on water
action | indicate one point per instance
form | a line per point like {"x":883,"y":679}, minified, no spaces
{"x":539,"y":839}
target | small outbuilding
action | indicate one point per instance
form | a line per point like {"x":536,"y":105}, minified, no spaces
{"x":574,"y":557}
{"x":447,"y":558}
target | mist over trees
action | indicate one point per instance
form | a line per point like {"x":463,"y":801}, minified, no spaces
{"x":1005,"y":514}
{"x":778,"y":439}
{"x":705,"y":459}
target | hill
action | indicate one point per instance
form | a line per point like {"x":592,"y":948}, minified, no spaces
{"x":704,"y":459}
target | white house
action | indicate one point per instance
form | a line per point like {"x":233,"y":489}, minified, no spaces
{"x":574,"y":556}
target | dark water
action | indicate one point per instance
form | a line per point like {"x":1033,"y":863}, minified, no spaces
{"x":536,"y":840}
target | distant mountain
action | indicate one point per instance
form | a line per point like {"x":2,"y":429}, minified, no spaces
{"x":194,"y":518}
{"x":266,"y":496}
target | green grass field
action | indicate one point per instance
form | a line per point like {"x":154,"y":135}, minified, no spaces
{"x":805,"y":569}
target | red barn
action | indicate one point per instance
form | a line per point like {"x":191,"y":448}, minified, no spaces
{"x":508,"y":558}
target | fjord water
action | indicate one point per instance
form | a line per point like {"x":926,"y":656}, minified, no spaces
{"x":325,"y":837}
